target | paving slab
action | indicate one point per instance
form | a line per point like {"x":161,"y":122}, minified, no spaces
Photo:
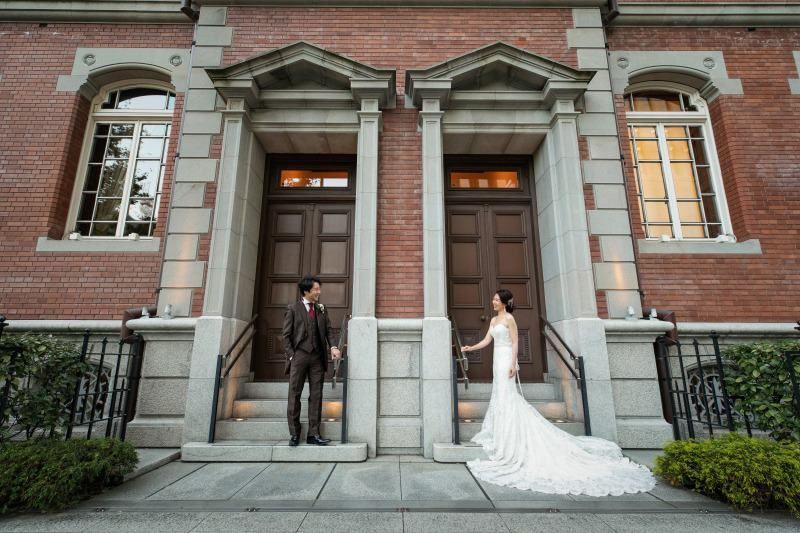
{"x":555,"y":523}
{"x":352,"y":523}
{"x":251,"y":522}
{"x":670,"y":523}
{"x":287,"y":481}
{"x":497,"y":493}
{"x":145,"y":485}
{"x":363,"y":481}
{"x":151,"y":459}
{"x":215,"y":481}
{"x":664,"y":491}
{"x":454,"y":522}
{"x":438,"y":481}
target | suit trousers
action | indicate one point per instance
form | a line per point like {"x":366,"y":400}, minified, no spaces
{"x":310,"y":366}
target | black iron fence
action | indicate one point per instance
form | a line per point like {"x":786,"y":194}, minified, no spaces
{"x":105,"y":398}
{"x":697,"y":402}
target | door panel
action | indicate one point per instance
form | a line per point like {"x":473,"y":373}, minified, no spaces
{"x":490,"y":247}
{"x":300,"y":239}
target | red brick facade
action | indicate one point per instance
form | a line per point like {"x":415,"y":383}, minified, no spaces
{"x":43,"y":130}
{"x":41,"y":136}
{"x":757,"y":138}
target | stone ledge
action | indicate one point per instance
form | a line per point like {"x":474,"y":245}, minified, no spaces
{"x":282,"y":452}
{"x":738,"y":328}
{"x":716,"y":14}
{"x":648,"y":246}
{"x":64,"y":326}
{"x":447,"y":452}
{"x":88,"y":244}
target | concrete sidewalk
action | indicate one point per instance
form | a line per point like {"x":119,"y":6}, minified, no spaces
{"x":386,"y":494}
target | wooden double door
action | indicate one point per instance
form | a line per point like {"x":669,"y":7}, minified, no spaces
{"x":300,"y":238}
{"x":490,"y":247}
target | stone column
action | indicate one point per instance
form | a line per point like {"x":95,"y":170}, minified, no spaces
{"x":436,"y":357}
{"x":362,"y":408}
{"x":567,"y":267}
{"x":230,"y":284}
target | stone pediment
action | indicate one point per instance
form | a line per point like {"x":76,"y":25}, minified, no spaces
{"x":497,"y":75}
{"x":304,"y":75}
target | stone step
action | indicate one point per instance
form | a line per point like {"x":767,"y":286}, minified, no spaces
{"x":277,"y":390}
{"x":266,"y":451}
{"x":476,"y":409}
{"x":269,"y":429}
{"x":467,"y":430}
{"x":447,"y":452}
{"x":277,"y":409}
{"x":531,"y":391}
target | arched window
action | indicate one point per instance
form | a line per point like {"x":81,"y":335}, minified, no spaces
{"x":123,"y":163}
{"x":678,"y":179}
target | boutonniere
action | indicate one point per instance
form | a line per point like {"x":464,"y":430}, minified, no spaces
{"x":320,"y":307}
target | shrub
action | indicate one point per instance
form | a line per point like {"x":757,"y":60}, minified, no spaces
{"x":746,"y":472}
{"x":760,"y":377}
{"x":41,"y":402}
{"x":50,"y":474}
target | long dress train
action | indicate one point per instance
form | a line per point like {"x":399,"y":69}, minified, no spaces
{"x":528,"y":452}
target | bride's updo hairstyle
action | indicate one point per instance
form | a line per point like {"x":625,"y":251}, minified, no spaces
{"x":507,"y":298}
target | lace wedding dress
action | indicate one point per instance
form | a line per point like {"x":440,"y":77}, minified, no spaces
{"x":528,"y":452}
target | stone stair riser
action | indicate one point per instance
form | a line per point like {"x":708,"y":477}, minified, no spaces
{"x":277,"y":409}
{"x":269,"y":430}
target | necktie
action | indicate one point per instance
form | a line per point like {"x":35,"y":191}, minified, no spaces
{"x":311,"y":311}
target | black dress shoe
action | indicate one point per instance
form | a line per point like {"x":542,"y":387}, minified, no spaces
{"x":295,"y":440}
{"x":316,"y":439}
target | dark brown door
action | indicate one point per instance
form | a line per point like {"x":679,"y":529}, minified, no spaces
{"x":491,"y":247}
{"x":300,"y":239}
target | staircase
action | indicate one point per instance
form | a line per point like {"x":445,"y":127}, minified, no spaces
{"x":472,"y":406}
{"x":258,"y":430}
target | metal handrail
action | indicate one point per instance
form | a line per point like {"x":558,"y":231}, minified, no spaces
{"x":579,"y":375}
{"x":337,"y":363}
{"x":219,"y":375}
{"x":459,"y":359}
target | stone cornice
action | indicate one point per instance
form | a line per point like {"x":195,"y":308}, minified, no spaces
{"x":719,"y":14}
{"x":456,"y":4}
{"x":108,"y":11}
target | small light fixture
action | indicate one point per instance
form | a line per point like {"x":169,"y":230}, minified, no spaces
{"x":145,"y":312}
{"x":653,"y":314}
{"x":665,"y":238}
{"x":558,"y":420}
{"x":239,"y":419}
{"x":75,"y":236}
{"x":631,"y":316}
{"x":467,"y":420}
{"x":133,"y":236}
{"x":331,"y":420}
{"x":167,"y":312}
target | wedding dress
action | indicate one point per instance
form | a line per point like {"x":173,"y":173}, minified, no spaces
{"x":528,"y":452}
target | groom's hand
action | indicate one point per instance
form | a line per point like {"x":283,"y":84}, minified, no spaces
{"x":336,"y":353}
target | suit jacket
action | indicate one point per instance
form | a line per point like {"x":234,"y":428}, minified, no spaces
{"x":297,"y":322}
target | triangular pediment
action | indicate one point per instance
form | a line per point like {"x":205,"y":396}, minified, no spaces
{"x":303,"y":72}
{"x":499,"y":71}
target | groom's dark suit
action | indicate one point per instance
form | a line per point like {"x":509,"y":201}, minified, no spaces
{"x":304,"y":342}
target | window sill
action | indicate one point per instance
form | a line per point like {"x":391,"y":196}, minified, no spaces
{"x":99,"y":245}
{"x":751,"y":246}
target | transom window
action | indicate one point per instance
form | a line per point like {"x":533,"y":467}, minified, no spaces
{"x":677,"y":176}
{"x":124,"y":170}
{"x":297,"y":178}
{"x":484,"y":179}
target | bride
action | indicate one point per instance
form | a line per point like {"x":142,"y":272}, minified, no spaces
{"x":528,"y":452}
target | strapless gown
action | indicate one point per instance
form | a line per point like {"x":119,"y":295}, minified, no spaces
{"x":527,"y":452}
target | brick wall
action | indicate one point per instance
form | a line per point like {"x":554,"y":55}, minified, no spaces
{"x":41,"y":135}
{"x":757,"y":141}
{"x":400,"y":39}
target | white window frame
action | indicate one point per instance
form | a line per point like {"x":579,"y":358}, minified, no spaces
{"x":689,"y":118}
{"x":98,"y":115}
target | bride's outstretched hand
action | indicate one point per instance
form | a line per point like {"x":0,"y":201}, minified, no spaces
{"x":465,"y":349}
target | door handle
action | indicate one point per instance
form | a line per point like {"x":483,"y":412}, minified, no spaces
{"x":483,"y":318}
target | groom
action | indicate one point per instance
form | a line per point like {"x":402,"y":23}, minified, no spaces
{"x":306,"y":329}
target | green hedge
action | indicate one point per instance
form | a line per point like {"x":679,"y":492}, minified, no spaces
{"x":745,"y":472}
{"x":760,"y":377}
{"x":50,"y":474}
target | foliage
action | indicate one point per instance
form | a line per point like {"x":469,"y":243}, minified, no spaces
{"x":760,"y":377}
{"x":746,"y":472}
{"x":51,"y":474}
{"x":40,"y":403}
